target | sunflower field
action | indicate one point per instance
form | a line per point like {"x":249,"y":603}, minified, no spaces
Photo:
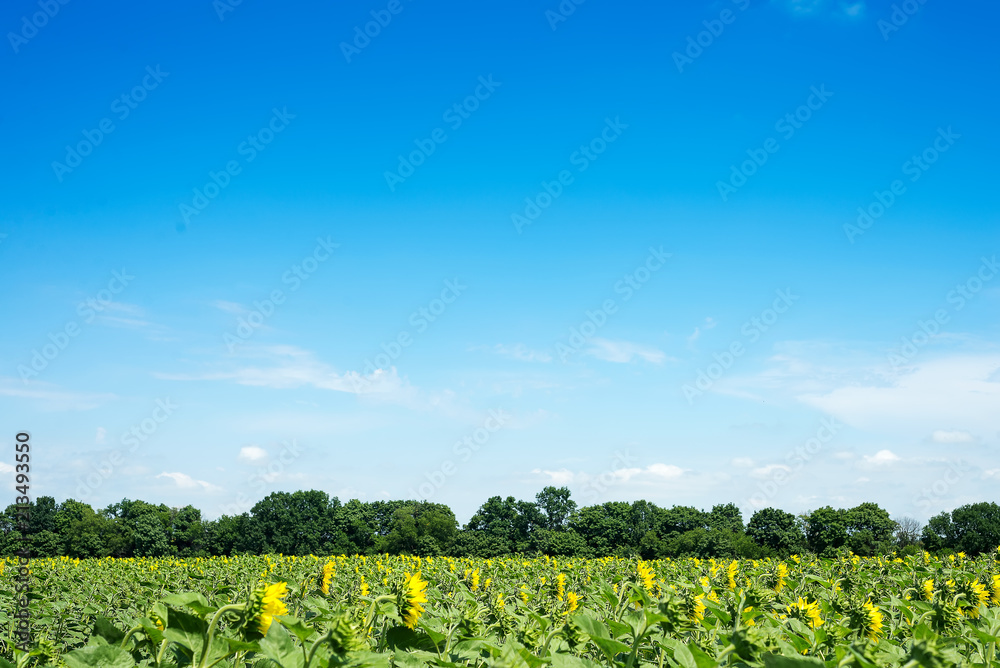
{"x":385,"y":611}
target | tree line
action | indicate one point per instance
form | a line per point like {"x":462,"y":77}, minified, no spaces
{"x":312,"y":522}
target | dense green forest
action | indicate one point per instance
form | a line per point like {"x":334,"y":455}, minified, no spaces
{"x":312,"y":522}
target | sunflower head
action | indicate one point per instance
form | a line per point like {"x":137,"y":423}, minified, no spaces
{"x":807,"y":612}
{"x":572,"y":601}
{"x":929,"y":590}
{"x":645,"y":574}
{"x":324,"y":579}
{"x":345,"y":635}
{"x":410,"y":597}
{"x":871,"y":621}
{"x":731,"y":570}
{"x":266,"y":604}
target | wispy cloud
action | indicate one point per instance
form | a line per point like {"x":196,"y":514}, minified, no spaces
{"x":184,"y":481}
{"x":285,"y":367}
{"x":518,"y":351}
{"x":623,"y":352}
{"x":952,"y":436}
{"x":52,"y":398}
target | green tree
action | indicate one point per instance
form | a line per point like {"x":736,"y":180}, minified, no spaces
{"x":557,"y":507}
{"x":421,"y":528}
{"x":776,"y":530}
{"x":976,"y":528}
{"x":726,"y":517}
{"x":939,"y":534}
{"x":869,"y":530}
{"x":826,"y":530}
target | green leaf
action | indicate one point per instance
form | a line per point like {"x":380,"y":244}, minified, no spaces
{"x":105,"y":629}
{"x":570,"y":661}
{"x":610,"y":647}
{"x":702,"y":659}
{"x":593,"y":627}
{"x":277,"y":645}
{"x":296,"y":626}
{"x":189,"y":599}
{"x":683,"y":656}
{"x":186,"y":630}
{"x":778,"y":661}
{"x":99,"y":656}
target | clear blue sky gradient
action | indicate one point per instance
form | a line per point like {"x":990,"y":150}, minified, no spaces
{"x":580,"y":152}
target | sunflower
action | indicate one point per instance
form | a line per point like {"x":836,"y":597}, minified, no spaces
{"x":929,"y":589}
{"x":731,"y":571}
{"x":781,"y":574}
{"x":560,"y":586}
{"x":698,"y":608}
{"x":995,"y":598}
{"x":806,"y":611}
{"x":645,"y":574}
{"x":412,"y":594}
{"x":271,"y":605}
{"x":325,"y":579}
{"x":573,"y":601}
{"x":871,"y":623}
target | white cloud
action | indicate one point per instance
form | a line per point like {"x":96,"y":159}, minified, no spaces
{"x":665,"y":470}
{"x":769,"y":470}
{"x":622,"y":352}
{"x":882,"y":458}
{"x":952,"y":436}
{"x":50,"y":397}
{"x":649,"y":475}
{"x":289,"y":367}
{"x":696,"y":334}
{"x":185,"y":481}
{"x":992,"y":473}
{"x":101,"y":433}
{"x":252,"y":453}
{"x":742,"y":462}
{"x":519,"y":352}
{"x":229,"y":307}
{"x":953,"y":389}
{"x":560,"y":477}
{"x":6,"y":468}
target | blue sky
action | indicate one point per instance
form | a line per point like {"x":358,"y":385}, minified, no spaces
{"x":736,"y":251}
